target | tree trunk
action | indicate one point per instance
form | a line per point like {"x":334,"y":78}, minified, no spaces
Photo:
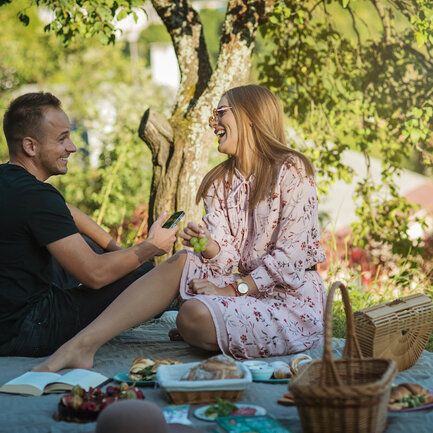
{"x":180,"y":146}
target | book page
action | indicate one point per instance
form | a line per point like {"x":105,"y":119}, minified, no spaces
{"x":78,"y":376}
{"x":31,"y":383}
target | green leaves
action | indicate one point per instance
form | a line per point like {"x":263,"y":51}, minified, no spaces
{"x":85,"y":18}
{"x":24,"y":18}
{"x":221,"y":408}
{"x":346,"y":86}
{"x":417,"y":130}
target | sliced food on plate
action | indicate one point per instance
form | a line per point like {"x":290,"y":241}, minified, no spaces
{"x":227,"y":408}
{"x":145,"y":368}
{"x":409,"y":395}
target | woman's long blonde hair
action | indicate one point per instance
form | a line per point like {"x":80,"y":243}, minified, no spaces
{"x":257,"y":106}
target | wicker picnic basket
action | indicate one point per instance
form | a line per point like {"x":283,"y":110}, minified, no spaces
{"x":169,"y":377}
{"x":398,"y":330}
{"x":347,"y":395}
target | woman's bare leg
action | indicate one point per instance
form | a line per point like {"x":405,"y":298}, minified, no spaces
{"x":142,"y":300}
{"x":195,"y":324}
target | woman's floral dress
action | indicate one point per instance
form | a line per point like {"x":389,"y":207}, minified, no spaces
{"x":274,"y":243}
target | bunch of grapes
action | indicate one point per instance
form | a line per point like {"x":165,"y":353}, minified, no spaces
{"x":199,"y":244}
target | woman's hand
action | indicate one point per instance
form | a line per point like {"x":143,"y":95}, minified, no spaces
{"x":194,"y":230}
{"x":205,"y":287}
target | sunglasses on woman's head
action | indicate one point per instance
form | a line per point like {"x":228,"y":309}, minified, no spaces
{"x":217,"y":114}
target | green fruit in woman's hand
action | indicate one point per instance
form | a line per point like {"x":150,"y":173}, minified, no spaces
{"x":199,"y":244}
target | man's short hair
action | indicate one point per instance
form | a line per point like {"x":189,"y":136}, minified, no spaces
{"x":24,"y":117}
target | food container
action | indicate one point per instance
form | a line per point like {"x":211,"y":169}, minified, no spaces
{"x":169,"y":377}
{"x":261,"y":372}
{"x":397,"y":330}
{"x":254,"y":363}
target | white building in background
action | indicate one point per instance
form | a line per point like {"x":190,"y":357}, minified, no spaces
{"x":164,"y":65}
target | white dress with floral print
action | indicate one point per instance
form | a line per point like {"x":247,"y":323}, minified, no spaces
{"x":274,"y":243}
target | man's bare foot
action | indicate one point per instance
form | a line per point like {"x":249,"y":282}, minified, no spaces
{"x":174,"y":335}
{"x":70,"y":355}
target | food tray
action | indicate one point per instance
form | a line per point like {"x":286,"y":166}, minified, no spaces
{"x":199,"y":391}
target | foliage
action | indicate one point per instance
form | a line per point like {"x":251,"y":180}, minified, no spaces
{"x":82,"y":17}
{"x":369,"y":285}
{"x":116,"y":184}
{"x":212,"y":22}
{"x":351,"y":86}
{"x":344,"y":84}
{"x":110,"y":178}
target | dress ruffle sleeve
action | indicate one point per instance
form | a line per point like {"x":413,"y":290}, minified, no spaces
{"x":297,"y":245}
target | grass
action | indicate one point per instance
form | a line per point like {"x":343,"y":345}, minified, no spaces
{"x":400,"y":278}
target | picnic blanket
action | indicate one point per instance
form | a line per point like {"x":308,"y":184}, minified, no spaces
{"x":26,"y":414}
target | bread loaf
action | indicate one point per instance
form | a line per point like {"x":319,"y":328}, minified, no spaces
{"x":297,"y":362}
{"x":281,"y":370}
{"x":214,"y":368}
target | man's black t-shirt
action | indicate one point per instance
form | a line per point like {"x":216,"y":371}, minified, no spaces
{"x":32,"y":215}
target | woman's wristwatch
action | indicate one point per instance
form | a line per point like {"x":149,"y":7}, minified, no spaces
{"x":241,"y":287}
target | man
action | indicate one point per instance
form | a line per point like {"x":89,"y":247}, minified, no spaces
{"x":37,"y":226}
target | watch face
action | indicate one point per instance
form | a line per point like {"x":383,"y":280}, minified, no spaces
{"x":243,"y":288}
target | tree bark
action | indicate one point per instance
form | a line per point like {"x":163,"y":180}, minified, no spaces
{"x":180,"y":146}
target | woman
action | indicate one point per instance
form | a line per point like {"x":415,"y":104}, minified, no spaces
{"x":254,"y":291}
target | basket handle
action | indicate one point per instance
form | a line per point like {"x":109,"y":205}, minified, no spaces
{"x":351,"y":348}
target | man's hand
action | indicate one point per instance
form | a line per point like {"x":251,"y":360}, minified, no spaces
{"x":98,"y":270}
{"x":205,"y":287}
{"x":162,"y":239}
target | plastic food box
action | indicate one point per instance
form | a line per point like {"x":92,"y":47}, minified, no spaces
{"x":180,"y":391}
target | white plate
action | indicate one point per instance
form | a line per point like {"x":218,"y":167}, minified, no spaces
{"x":199,"y":413}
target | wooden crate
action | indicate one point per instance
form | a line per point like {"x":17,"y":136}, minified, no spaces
{"x":397,"y":330}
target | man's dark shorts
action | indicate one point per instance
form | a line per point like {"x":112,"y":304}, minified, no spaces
{"x":63,"y":313}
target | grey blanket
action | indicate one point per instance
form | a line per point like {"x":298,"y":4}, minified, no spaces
{"x":25,"y":414}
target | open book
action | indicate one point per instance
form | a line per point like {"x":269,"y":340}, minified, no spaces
{"x":38,"y":383}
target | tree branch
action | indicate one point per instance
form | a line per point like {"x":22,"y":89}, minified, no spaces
{"x":155,"y":130}
{"x":243,"y":18}
{"x":186,"y":31}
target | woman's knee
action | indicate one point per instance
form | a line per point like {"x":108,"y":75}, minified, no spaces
{"x":192,"y":315}
{"x":195,"y":325}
